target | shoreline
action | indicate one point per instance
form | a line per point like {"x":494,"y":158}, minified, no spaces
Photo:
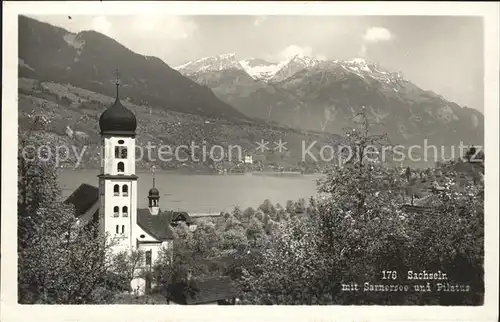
{"x":204,"y":172}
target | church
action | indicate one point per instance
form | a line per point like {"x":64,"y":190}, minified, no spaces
{"x":113,"y":204}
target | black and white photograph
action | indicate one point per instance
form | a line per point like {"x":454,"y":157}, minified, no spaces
{"x":250,"y":157}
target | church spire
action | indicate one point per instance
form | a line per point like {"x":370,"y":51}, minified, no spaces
{"x":117,"y":82}
{"x":117,"y":120}
{"x":153,"y":170}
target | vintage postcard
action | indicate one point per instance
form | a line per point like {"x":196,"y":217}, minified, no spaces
{"x":250,"y":161}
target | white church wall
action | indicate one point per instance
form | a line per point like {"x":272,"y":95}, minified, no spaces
{"x":155,"y":248}
{"x":142,"y":236}
{"x":120,"y":224}
{"x":136,"y":230}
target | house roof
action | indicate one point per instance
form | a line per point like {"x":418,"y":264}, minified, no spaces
{"x":181,"y":216}
{"x":209,"y":290}
{"x":84,"y":197}
{"x":423,"y":205}
{"x":430,"y":200}
{"x":226,"y":259}
{"x":418,"y":190}
{"x":230,"y":257}
{"x":159,"y":226}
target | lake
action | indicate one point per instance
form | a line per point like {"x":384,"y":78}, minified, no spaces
{"x":205,"y":193}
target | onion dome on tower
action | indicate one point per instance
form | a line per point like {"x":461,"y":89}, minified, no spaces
{"x":117,"y":119}
{"x":153,"y":192}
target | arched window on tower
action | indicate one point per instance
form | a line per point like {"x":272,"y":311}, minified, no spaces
{"x":116,"y":211}
{"x":116,"y":190}
{"x":121,"y":167}
{"x":125,"y":190}
{"x":117,"y":229}
{"x":125,"y":211}
{"x":123,"y":229}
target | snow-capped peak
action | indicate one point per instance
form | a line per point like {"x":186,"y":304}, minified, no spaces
{"x":293,"y":65}
{"x":227,"y":55}
{"x":359,"y":61}
{"x":359,"y":64}
{"x":212,"y":63}
{"x":264,"y":70}
{"x":260,"y":68}
{"x":307,"y":61}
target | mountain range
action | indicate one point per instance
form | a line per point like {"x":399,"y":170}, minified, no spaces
{"x":90,"y":59}
{"x":69,"y":80}
{"x":325,"y":95}
{"x":69,"y":77}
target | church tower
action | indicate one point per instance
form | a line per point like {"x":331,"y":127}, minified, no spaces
{"x":154,"y":198}
{"x":117,"y":180}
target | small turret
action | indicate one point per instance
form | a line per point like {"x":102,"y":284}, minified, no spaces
{"x":154,"y":197}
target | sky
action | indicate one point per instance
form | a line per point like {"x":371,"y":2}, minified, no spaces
{"x":439,"y":53}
